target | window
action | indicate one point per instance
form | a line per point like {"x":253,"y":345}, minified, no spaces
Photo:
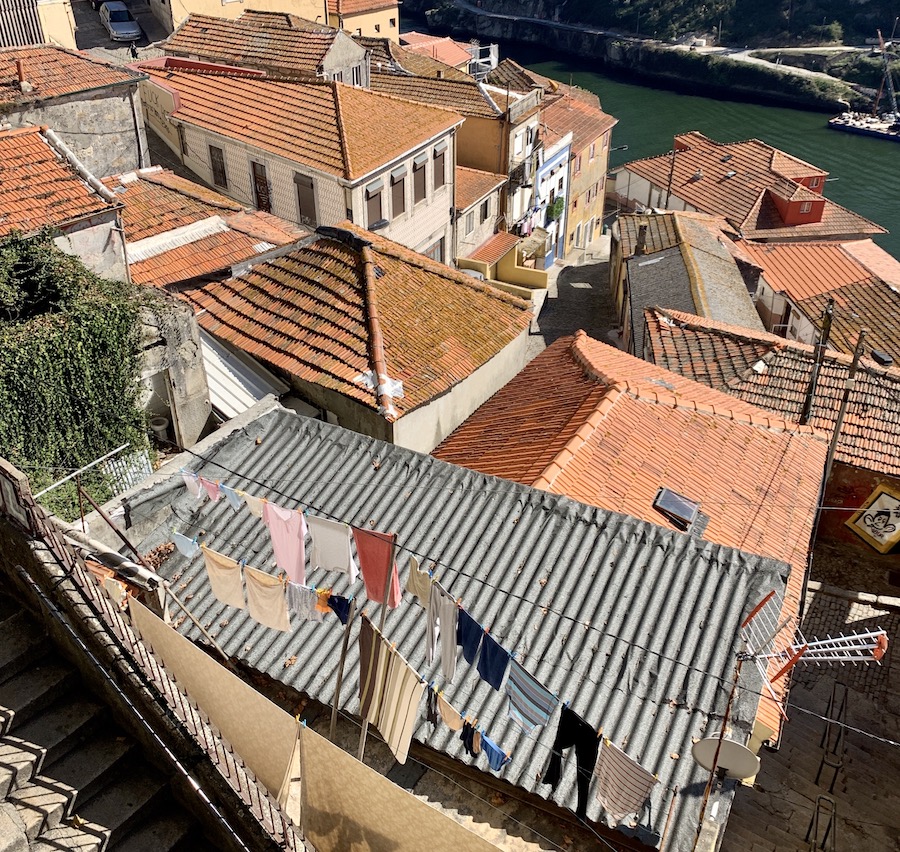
{"x":485,"y":211}
{"x":357,"y":75}
{"x":438,"y":166}
{"x":392,"y":23}
{"x":578,"y":164}
{"x":529,"y":135}
{"x":373,"y":203}
{"x":806,"y":206}
{"x":262,"y":193}
{"x":377,"y":28}
{"x":436,"y":251}
{"x":419,"y":178}
{"x":559,"y":185}
{"x":470,"y":222}
{"x":814,"y":182}
{"x":517,"y":144}
{"x":592,"y":151}
{"x":306,"y":199}
{"x":398,"y":192}
{"x":338,"y":76}
{"x":578,"y":234}
{"x":217,"y":162}
{"x":680,"y":510}
{"x":605,"y":141}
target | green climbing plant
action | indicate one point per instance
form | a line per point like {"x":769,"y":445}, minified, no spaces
{"x":69,"y":366}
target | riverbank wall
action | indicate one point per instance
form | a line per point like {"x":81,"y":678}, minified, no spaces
{"x":646,"y":60}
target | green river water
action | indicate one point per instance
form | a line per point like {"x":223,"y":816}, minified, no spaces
{"x":867,"y":171}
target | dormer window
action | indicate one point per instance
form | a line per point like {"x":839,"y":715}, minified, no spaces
{"x":806,"y":206}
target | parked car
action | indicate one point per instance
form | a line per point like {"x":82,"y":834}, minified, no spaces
{"x":119,"y":23}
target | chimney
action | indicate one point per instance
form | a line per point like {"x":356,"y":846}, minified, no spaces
{"x":24,"y":85}
{"x":640,"y":246}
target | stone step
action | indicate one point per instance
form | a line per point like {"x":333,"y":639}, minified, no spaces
{"x":62,"y":726}
{"x":164,"y":832}
{"x":122,"y":805}
{"x":84,"y":837}
{"x":90,"y":766}
{"x":21,"y":643}
{"x":36,"y":687}
{"x":42,"y":804}
{"x":19,"y":762}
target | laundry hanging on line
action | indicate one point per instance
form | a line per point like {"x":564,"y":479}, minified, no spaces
{"x":331,"y":546}
{"x":496,"y":757}
{"x":224,"y":575}
{"x":266,"y":599}
{"x":192,"y":483}
{"x":493,"y":661}
{"x":469,"y":634}
{"x":186,"y":546}
{"x":440,"y":626}
{"x":530,"y":703}
{"x":375,"y":552}
{"x":623,"y":785}
{"x":232,"y":496}
{"x":211,"y":488}
{"x":303,"y":602}
{"x":574,"y":731}
{"x":418,"y":583}
{"x":287,"y":529}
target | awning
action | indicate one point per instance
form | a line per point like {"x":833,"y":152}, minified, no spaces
{"x":235,"y":380}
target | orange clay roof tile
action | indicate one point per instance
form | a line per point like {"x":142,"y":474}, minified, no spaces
{"x":495,"y":247}
{"x":586,"y":122}
{"x":472,"y":185}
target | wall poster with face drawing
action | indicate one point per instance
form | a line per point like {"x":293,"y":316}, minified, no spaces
{"x":878,"y":521}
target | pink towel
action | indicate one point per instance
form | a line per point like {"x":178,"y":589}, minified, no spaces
{"x":374,"y":552}
{"x":288,"y":531}
{"x":211,"y":488}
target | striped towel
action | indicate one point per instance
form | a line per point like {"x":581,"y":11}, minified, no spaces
{"x":623,"y":785}
{"x":530,"y":703}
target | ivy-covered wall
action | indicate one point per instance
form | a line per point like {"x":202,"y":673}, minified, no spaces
{"x":69,"y":365}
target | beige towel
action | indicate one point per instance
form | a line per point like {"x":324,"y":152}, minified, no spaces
{"x":224,"y":578}
{"x":266,"y":599}
{"x":254,"y":504}
{"x":399,"y":706}
{"x":418,"y":582}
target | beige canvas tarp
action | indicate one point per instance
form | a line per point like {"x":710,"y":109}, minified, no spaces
{"x":259,"y":731}
{"x":348,"y":807}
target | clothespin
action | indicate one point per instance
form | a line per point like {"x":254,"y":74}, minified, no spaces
{"x":600,"y":732}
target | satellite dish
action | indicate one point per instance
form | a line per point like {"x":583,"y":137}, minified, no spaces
{"x":737,"y":760}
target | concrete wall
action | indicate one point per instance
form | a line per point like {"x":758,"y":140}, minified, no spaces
{"x":57,"y":22}
{"x":771,"y":307}
{"x":376,"y":23}
{"x":509,"y":270}
{"x":105,"y":129}
{"x":344,"y":55}
{"x":634,"y":191}
{"x":172,"y":365}
{"x":98,"y":243}
{"x":425,"y":427}
{"x":480,"y":145}
{"x":344,"y":411}
{"x":172,"y":12}
{"x":466,"y":243}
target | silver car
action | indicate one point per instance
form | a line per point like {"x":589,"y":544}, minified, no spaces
{"x":118,"y":21}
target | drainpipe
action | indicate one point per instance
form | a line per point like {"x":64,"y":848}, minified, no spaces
{"x":827,"y":316}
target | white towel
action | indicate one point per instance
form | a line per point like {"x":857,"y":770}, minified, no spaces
{"x":331,"y":546}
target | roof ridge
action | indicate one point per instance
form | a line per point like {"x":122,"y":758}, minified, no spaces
{"x":698,"y":291}
{"x":342,"y":136}
{"x":377,"y":359}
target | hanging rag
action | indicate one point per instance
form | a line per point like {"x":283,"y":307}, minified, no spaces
{"x":468,"y":634}
{"x":192,"y":483}
{"x":497,"y":758}
{"x":254,"y":504}
{"x":399,"y":709}
{"x":211,"y":489}
{"x":574,"y":731}
{"x":340,"y":606}
{"x":266,"y":599}
{"x":493,"y":661}
{"x":301,"y":601}
{"x":224,"y":578}
{"x":322,"y":596}
{"x":331,"y":546}
{"x":441,"y":624}
{"x":288,"y":531}
{"x":418,"y":583}
{"x":471,"y":738}
{"x":231,"y":496}
{"x":186,"y":546}
{"x":530,"y":703}
{"x":431,"y":708}
{"x":374,"y":550}
{"x":373,"y":662}
{"x":623,"y":785}
{"x":452,"y":719}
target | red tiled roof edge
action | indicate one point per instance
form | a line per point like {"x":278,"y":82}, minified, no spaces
{"x":342,"y":136}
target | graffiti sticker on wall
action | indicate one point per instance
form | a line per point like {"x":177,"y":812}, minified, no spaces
{"x":878,"y":521}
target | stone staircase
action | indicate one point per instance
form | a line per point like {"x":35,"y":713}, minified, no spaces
{"x":69,"y":776}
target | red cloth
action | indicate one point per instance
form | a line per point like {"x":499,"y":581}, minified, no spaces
{"x":373,"y":550}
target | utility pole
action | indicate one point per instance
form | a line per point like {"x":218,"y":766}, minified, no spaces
{"x":849,"y":384}
{"x":827,"y":316}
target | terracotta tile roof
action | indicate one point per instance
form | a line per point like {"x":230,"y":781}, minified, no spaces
{"x":772,"y":373}
{"x":519,"y":79}
{"x":472,"y":185}
{"x":660,"y":235}
{"x":442,"y":48}
{"x":806,"y":269}
{"x":587,"y":123}
{"x":587,"y":420}
{"x":495,"y":247}
{"x":389,"y":57}
{"x":309,"y":313}
{"x":338,"y":129}
{"x":54,"y":72}
{"x":38,"y":187}
{"x":733,"y":180}
{"x":273,"y":41}
{"x":359,"y":7}
{"x":463,"y":96}
{"x":158,"y":203}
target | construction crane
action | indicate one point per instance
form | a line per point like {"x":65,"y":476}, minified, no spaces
{"x":887,"y":79}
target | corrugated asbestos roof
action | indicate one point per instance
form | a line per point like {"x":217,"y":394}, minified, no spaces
{"x":568,"y":587}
